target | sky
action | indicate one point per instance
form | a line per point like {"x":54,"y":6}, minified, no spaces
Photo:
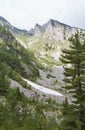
{"x":25,"y":14}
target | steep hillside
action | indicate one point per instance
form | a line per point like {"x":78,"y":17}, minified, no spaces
{"x":20,"y":107}
{"x":46,"y":42}
{"x":19,"y":59}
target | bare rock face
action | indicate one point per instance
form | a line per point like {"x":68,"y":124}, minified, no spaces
{"x":37,"y":30}
{"x":53,"y":31}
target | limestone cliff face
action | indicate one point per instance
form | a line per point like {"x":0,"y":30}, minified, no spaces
{"x":37,"y":30}
{"x":54,"y":31}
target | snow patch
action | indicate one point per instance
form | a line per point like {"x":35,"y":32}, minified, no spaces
{"x":43,"y":89}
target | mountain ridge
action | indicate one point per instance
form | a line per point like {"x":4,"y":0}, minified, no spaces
{"x":40,"y":37}
{"x":12,"y":28}
{"x":53,"y":31}
{"x":50,"y":21}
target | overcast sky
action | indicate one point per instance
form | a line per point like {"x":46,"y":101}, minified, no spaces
{"x":26,"y":13}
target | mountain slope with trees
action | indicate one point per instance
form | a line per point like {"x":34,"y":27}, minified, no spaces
{"x":36,"y":60}
{"x":17,"y":111}
{"x":18,"y":58}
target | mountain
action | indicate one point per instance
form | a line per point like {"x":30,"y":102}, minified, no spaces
{"x":50,"y":32}
{"x":53,"y":31}
{"x":20,"y":105}
{"x":31,"y":76}
{"x":48,"y":39}
{"x":21,"y":35}
{"x":13,"y":29}
{"x":45,"y":42}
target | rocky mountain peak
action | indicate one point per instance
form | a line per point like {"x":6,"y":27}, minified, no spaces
{"x":37,"y":29}
{"x":52,"y":22}
{"x":37,"y":25}
{"x":53,"y":31}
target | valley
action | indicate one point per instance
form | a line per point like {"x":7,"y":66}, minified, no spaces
{"x":32,"y":74}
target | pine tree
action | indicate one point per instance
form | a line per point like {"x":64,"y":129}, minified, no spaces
{"x":4,"y":82}
{"x":74,"y":78}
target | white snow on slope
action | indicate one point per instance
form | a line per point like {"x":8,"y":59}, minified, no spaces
{"x":43,"y":89}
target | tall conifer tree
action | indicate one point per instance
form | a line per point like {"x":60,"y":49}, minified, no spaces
{"x":74,"y":78}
